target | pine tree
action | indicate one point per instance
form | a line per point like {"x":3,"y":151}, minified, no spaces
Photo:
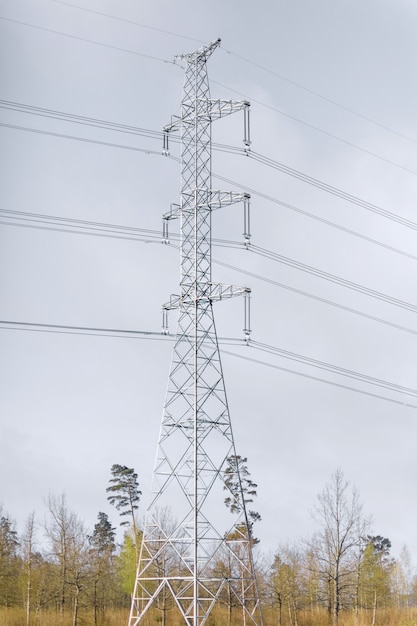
{"x":125,"y":496}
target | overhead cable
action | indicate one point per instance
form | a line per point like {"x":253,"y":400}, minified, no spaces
{"x":312,"y":296}
{"x":321,"y":380}
{"x":317,"y":218}
{"x":114,"y":231}
{"x":16,"y":106}
{"x":86,"y":140}
{"x":248,"y":61}
{"x":174,"y":62}
{"x":98,"y":229}
{"x":93,"y":122}
{"x":269,"y":162}
{"x":371,"y":380}
{"x":120,"y":333}
{"x":321,"y":96}
{"x":330,"y":189}
{"x":93,"y":331}
{"x":320,"y":130}
{"x":126,"y":21}
{"x":332,"y":278}
{"x":86,"y":40}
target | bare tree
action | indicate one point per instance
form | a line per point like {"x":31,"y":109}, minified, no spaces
{"x":69,"y":548}
{"x":60,"y":533}
{"x":168,"y":562}
{"x":402,"y":579}
{"x":335,"y":545}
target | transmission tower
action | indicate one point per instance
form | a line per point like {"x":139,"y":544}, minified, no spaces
{"x":202,"y":557}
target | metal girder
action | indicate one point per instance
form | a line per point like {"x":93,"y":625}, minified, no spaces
{"x":212,"y":110}
{"x":216,"y":199}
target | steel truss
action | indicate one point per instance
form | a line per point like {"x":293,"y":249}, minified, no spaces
{"x":202,"y":556}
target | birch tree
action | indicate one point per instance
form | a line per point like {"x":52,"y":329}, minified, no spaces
{"x":28,"y":541}
{"x":375,"y":574}
{"x":69,"y":551}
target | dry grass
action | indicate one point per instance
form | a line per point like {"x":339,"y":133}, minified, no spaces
{"x":17,"y":617}
{"x":389,"y":617}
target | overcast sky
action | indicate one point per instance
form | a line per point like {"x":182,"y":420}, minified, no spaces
{"x":332,"y":92}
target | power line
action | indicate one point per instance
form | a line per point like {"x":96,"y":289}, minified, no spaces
{"x":319,"y":95}
{"x":152,"y":335}
{"x":333,"y":278}
{"x":126,"y":21}
{"x":267,"y":161}
{"x":371,"y":380}
{"x":26,"y":219}
{"x":280,"y":257}
{"x":81,"y":119}
{"x":174,"y":62}
{"x":321,"y":380}
{"x":156,"y":134}
{"x":92,"y":331}
{"x":100,"y":229}
{"x":254,"y":64}
{"x":74,"y":231}
{"x":87,"y":140}
{"x":322,"y":220}
{"x":300,"y":292}
{"x":85,"y":40}
{"x":82,"y":330}
{"x":15,"y":106}
{"x":322,"y":131}
{"x":103,"y":124}
{"x":330,"y":189}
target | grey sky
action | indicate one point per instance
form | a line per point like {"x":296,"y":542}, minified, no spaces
{"x":72,"y":405}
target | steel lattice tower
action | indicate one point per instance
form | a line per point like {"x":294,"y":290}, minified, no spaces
{"x":203,"y":556}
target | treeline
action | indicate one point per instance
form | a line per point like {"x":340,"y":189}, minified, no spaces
{"x":344,"y":573}
{"x":343,"y":570}
{"x":79,"y":575}
{"x":74,"y":573}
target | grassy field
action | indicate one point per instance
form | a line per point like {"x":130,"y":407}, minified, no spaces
{"x":388,"y":617}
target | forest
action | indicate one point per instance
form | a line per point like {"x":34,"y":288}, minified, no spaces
{"x":343,"y":574}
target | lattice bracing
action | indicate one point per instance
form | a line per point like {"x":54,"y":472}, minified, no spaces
{"x":196,"y":555}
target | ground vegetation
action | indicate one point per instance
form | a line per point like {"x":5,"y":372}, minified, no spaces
{"x":58,"y":573}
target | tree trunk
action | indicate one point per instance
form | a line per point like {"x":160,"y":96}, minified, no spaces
{"x":279,"y":611}
{"x":374,"y":609}
{"x":336,"y":602}
{"x":28,"y":597}
{"x":95,"y":601}
{"x":62,"y":592}
{"x":75,"y":612}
